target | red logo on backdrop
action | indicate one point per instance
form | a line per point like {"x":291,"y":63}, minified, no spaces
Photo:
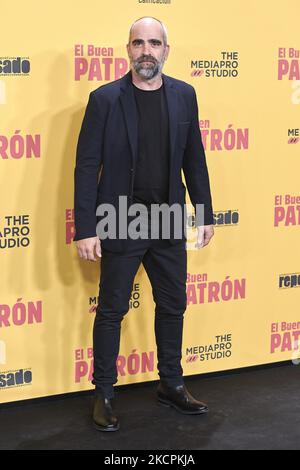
{"x":70,"y":226}
{"x":287,"y":210}
{"x":98,"y":63}
{"x":200,"y":290}
{"x":285,"y":336}
{"x":288,"y":63}
{"x":21,"y":313}
{"x":133,"y":364}
{"x":217,"y":139}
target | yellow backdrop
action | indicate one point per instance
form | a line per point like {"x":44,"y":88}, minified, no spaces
{"x":243,"y":301}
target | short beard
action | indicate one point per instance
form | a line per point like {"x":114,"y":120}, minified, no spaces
{"x":147,"y":73}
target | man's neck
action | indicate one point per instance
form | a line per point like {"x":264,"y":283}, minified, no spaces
{"x":152,"y":84}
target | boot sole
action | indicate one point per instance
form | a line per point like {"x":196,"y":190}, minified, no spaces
{"x":169,"y":404}
{"x":102,"y":428}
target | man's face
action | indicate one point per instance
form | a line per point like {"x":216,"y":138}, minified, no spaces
{"x":146,"y":50}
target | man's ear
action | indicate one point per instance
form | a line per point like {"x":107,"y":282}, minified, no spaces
{"x":167,"y":51}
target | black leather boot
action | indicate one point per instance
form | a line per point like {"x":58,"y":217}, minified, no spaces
{"x":179,"y":398}
{"x":103,"y":414}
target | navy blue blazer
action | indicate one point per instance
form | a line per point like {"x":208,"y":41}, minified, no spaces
{"x":106,"y":152}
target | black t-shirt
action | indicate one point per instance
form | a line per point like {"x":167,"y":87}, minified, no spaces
{"x":151,"y":180}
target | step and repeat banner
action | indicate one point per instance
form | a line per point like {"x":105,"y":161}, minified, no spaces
{"x":243,"y":59}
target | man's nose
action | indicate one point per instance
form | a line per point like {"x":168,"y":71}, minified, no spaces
{"x":146,"y":48}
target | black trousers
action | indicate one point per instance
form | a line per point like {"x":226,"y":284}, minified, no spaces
{"x":166,"y":267}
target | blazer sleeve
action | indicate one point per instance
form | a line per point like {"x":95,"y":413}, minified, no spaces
{"x":88,"y":163}
{"x":195,"y":169}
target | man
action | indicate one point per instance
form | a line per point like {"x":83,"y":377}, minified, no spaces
{"x":137,"y":134}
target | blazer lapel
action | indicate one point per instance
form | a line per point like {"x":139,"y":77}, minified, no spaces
{"x":130,"y":113}
{"x":172,"y":101}
{"x":131,"y":117}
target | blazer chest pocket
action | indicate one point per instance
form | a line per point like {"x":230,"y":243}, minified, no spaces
{"x":183,"y":129}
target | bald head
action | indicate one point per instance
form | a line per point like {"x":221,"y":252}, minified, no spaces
{"x":152,"y":23}
{"x":147,"y":47}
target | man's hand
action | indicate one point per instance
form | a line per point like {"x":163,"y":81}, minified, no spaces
{"x":87,"y":247}
{"x":205,"y":232}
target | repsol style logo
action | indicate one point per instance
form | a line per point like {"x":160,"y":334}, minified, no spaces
{"x":15,"y":378}
{"x":12,"y":66}
{"x":228,"y":217}
{"x":288,"y":281}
